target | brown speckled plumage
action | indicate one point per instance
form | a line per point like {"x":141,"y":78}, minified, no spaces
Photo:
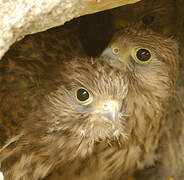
{"x":170,"y":161}
{"x":52,"y":132}
{"x":168,"y":21}
{"x":158,"y":15}
{"x":15,"y":78}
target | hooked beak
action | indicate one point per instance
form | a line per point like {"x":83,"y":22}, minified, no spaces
{"x":107,"y":53}
{"x":110,"y":110}
{"x":110,"y":56}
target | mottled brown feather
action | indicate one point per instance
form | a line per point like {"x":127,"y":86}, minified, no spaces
{"x":158,"y":15}
{"x":16,"y":77}
{"x":170,"y":161}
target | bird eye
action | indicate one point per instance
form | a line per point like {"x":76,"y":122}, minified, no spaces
{"x":143,"y":55}
{"x":115,"y":50}
{"x":148,"y":19}
{"x":83,"y":96}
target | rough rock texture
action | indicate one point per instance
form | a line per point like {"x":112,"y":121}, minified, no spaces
{"x":21,"y":17}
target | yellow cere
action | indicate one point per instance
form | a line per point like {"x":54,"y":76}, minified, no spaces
{"x":111,"y":105}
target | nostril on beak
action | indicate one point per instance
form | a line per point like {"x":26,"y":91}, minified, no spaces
{"x":115,"y":50}
{"x":107,"y":53}
{"x":110,"y":106}
{"x":111,"y":111}
{"x":113,"y":56}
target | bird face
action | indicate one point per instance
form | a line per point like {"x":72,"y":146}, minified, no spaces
{"x":127,"y":54}
{"x":89,"y":103}
{"x":108,"y":109}
{"x":143,"y":53}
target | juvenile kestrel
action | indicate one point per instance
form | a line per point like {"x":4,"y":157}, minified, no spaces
{"x":170,"y":161}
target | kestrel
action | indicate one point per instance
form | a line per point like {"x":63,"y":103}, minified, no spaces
{"x":169,"y":162}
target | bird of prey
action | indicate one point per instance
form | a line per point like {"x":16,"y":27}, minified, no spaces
{"x":157,"y":15}
{"x":170,"y":161}
{"x":85,"y":118}
{"x":161,"y":17}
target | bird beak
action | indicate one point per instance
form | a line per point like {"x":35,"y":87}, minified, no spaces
{"x":110,"y":110}
{"x":108,"y":55}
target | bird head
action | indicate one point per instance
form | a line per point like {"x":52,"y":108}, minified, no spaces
{"x":144,"y":55}
{"x":123,"y":54}
{"x":107,"y":108}
{"x":90,"y":99}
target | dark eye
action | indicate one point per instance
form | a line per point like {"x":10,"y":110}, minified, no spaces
{"x":148,"y":19}
{"x":142,"y":55}
{"x":83,"y":96}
